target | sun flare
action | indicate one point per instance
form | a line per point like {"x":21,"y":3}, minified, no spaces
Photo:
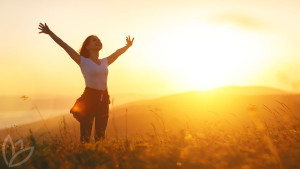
{"x":203,"y":56}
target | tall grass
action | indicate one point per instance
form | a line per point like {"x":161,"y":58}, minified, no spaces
{"x":270,"y":141}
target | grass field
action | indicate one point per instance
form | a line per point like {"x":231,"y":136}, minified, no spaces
{"x":254,"y":139}
{"x":215,"y":146}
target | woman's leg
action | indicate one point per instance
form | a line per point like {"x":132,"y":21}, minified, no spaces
{"x":100,"y":127}
{"x":86,"y":128}
{"x":101,"y":118}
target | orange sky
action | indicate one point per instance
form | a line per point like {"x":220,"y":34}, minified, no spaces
{"x":179,"y":45}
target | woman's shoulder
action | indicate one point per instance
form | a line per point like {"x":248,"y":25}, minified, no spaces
{"x":104,"y":60}
{"x":82,"y":60}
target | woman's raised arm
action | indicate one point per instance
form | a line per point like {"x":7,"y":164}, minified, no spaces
{"x":73,"y":54}
{"x":117,"y":53}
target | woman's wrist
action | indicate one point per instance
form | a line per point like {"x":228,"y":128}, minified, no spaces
{"x":50,"y":32}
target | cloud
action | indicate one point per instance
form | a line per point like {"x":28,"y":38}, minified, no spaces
{"x":241,"y":20}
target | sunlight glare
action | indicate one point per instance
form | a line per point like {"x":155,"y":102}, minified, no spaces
{"x":203,"y":56}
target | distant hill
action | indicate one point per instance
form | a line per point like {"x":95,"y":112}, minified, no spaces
{"x":189,"y":109}
{"x":8,"y":103}
{"x":249,"y":90}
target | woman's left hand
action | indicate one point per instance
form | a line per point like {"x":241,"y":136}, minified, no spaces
{"x":129,"y":42}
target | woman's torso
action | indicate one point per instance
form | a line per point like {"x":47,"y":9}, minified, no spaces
{"x":95,"y":75}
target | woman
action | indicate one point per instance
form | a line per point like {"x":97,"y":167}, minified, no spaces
{"x":94,"y":102}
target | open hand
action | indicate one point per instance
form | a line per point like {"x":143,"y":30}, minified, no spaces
{"x":129,"y":42}
{"x":44,"y":28}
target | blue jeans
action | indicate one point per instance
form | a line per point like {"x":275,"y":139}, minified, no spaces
{"x":99,"y":109}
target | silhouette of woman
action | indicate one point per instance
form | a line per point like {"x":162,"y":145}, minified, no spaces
{"x":94,"y":102}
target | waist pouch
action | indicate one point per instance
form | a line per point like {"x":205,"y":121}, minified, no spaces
{"x":88,"y":102}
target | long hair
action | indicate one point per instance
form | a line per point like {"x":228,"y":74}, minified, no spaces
{"x":83,"y":51}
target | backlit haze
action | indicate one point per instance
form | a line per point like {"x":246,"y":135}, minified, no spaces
{"x":179,"y":45}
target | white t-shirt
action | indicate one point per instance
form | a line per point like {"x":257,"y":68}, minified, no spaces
{"x":95,"y":75}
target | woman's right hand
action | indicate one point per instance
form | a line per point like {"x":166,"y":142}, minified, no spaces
{"x":44,"y":28}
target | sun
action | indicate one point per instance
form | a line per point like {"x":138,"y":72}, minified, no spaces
{"x":202,"y":56}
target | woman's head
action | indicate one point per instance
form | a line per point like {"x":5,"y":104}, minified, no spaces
{"x":91,"y":43}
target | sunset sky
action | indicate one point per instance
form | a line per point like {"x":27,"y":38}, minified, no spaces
{"x":179,"y":45}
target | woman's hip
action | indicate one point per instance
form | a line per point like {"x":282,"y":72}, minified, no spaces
{"x":96,"y":96}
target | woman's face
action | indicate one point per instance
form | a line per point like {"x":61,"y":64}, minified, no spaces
{"x":94,"y":43}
